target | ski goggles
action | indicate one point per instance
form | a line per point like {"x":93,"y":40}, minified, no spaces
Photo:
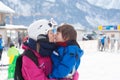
{"x":54,"y":30}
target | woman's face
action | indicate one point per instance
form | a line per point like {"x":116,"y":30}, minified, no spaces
{"x":58,"y":37}
{"x":51,"y":36}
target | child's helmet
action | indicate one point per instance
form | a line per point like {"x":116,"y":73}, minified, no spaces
{"x":39,"y":27}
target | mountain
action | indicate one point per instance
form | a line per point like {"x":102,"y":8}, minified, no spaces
{"x":88,"y":13}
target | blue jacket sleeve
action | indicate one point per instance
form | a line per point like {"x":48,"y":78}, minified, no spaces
{"x":65,"y":66}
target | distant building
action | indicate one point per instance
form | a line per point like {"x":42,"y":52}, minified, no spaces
{"x":110,"y":30}
{"x":80,"y":31}
{"x":10,"y":33}
{"x":5,"y":11}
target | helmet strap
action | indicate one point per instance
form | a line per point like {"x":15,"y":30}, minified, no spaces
{"x":38,"y":47}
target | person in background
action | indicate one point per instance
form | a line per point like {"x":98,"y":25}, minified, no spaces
{"x":12,"y":53}
{"x":112,"y":41}
{"x":103,"y":43}
{"x":118,"y":44}
{"x":19,"y":41}
{"x":67,"y":56}
{"x":107,"y":43}
{"x":1,"y":46}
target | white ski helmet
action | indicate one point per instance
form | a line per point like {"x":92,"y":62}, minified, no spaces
{"x":39,"y":27}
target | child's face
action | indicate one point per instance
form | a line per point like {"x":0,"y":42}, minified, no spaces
{"x":58,"y":37}
{"x":51,"y":36}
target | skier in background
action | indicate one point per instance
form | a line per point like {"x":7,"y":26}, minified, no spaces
{"x":1,"y":46}
{"x":103,"y":42}
{"x":13,"y":53}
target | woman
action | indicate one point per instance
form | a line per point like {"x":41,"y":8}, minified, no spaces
{"x":37,"y":66}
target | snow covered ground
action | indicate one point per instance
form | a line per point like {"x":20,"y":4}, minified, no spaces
{"x":100,"y":66}
{"x":95,"y":65}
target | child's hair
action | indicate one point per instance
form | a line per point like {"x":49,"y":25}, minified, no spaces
{"x":68,"y":32}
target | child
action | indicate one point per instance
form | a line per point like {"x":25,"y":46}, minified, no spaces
{"x":66,"y":58}
{"x":13,"y":53}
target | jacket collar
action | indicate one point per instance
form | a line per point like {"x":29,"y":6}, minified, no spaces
{"x":68,"y":43}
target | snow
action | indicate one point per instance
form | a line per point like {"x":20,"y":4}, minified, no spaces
{"x":100,"y":66}
{"x":51,"y":1}
{"x":79,"y":26}
{"x":99,"y":21}
{"x":8,"y":26}
{"x":106,"y":4}
{"x":83,"y":6}
{"x":5,"y":9}
{"x":95,"y":65}
{"x":22,"y":8}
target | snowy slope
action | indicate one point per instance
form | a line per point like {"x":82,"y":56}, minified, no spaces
{"x":97,"y":65}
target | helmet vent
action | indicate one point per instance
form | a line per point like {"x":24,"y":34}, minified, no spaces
{"x":40,"y":26}
{"x":50,"y":24}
